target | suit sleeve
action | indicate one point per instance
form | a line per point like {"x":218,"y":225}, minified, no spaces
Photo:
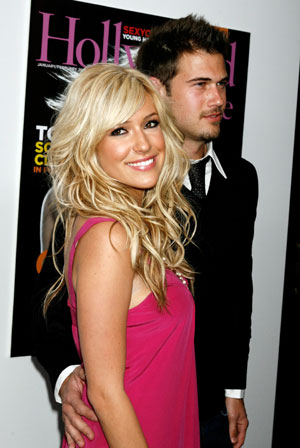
{"x":239,"y":281}
{"x":52,"y":340}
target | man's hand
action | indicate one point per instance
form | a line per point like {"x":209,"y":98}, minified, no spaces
{"x":73,"y":408}
{"x":238,"y":421}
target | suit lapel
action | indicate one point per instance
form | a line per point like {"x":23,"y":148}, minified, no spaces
{"x":218,"y":183}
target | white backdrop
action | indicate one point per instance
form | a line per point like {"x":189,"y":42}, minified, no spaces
{"x":27,"y":417}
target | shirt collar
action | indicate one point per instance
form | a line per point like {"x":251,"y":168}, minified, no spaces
{"x":210,"y":152}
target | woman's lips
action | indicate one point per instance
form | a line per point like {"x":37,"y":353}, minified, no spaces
{"x":143,"y":164}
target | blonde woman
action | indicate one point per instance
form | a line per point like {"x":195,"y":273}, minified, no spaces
{"x":117,"y":169}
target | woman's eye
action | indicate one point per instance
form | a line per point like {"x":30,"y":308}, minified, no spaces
{"x":118,"y":131}
{"x":152,"y":124}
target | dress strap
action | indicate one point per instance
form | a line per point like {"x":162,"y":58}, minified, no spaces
{"x":82,"y":231}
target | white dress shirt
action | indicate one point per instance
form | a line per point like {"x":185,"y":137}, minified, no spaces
{"x":208,"y":168}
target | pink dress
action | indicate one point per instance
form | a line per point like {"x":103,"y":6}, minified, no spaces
{"x":160,"y":373}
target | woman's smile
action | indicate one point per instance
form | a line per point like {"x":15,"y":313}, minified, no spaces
{"x":133,"y":152}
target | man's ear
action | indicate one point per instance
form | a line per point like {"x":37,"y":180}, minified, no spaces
{"x":159,"y":86}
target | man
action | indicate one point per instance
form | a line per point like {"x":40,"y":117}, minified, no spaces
{"x":185,"y":59}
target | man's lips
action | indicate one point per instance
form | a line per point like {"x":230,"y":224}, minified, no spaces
{"x":213,"y":117}
{"x":143,"y":164}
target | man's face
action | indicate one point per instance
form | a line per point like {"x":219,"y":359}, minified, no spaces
{"x":198,"y":95}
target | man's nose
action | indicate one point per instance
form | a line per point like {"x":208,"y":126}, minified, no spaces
{"x":216,"y":96}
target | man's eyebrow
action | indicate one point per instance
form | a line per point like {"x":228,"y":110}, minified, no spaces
{"x":202,"y":79}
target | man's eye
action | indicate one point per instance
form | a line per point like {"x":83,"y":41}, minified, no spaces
{"x":222,"y":84}
{"x":152,"y":124}
{"x":118,"y":131}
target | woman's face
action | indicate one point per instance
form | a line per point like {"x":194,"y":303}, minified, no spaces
{"x":133,"y":152}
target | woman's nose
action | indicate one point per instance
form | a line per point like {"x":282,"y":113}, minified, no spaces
{"x":141,"y":142}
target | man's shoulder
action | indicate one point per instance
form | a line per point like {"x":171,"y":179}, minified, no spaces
{"x":242,"y":179}
{"x":245,"y":164}
{"x":242,"y":167}
{"x":235,"y":165}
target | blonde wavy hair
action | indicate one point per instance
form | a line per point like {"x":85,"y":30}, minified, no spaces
{"x":101,"y":97}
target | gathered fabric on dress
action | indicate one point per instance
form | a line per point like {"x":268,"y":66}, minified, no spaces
{"x":160,"y":372}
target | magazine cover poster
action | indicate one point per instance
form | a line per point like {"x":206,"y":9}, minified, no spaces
{"x":73,"y":34}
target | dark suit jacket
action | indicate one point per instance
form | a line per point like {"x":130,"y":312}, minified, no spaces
{"x":223,"y":290}
{"x":223,"y":283}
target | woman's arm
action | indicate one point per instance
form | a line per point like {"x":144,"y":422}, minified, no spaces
{"x":102,"y":277}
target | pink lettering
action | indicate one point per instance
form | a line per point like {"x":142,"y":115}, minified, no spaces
{"x":128,"y":52}
{"x":231,"y":64}
{"x":117,"y":42}
{"x":79,"y":51}
{"x":46,"y":37}
{"x":229,"y":106}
